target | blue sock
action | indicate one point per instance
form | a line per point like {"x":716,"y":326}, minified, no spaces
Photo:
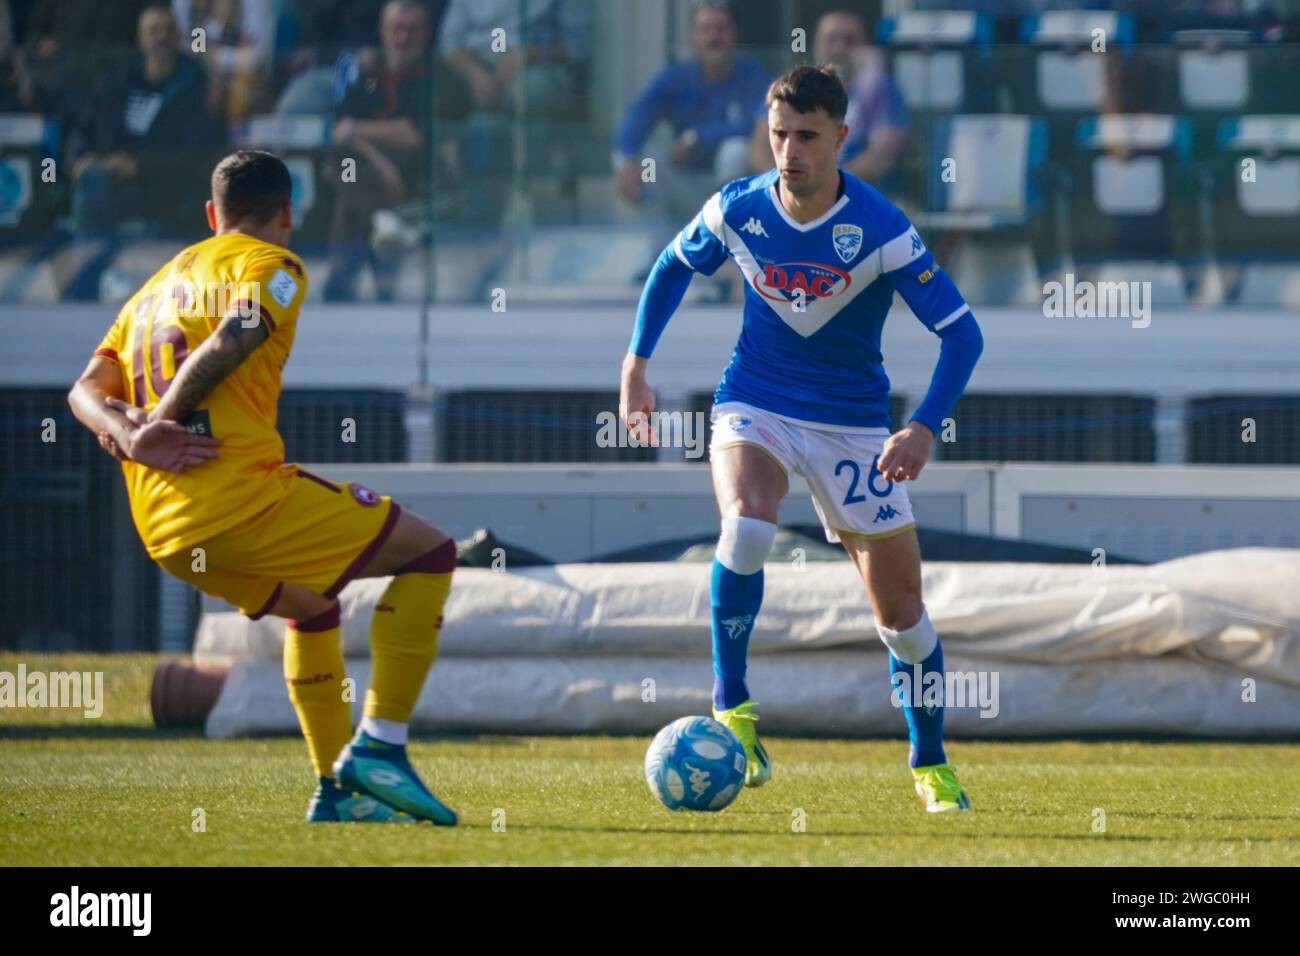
{"x":924,"y":727}
{"x":736,"y":600}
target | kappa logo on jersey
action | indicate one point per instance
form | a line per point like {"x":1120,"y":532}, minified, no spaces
{"x":738,"y":423}
{"x":736,"y":625}
{"x":884,"y":513}
{"x":754,"y":227}
{"x":791,"y":281}
{"x":848,"y":240}
{"x":917,"y":245}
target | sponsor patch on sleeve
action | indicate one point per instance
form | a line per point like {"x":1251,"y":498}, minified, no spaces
{"x":283,"y":287}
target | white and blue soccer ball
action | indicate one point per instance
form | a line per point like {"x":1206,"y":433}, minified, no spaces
{"x":695,"y":763}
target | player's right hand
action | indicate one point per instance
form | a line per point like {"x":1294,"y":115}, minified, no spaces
{"x":636,"y":400}
{"x":168,"y":446}
{"x":628,"y":181}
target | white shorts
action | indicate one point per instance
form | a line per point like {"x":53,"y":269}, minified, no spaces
{"x":838,"y":462}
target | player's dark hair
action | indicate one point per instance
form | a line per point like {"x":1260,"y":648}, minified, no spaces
{"x":160,"y":6}
{"x":699,"y":6}
{"x":810,"y":88}
{"x":405,"y":5}
{"x":251,"y":185}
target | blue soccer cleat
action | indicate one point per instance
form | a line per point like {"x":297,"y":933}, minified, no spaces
{"x":329,"y":804}
{"x":382,"y":771}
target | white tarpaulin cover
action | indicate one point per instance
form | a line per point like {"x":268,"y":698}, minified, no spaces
{"x":1208,"y":644}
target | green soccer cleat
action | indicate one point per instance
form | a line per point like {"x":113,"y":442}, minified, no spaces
{"x":382,"y":771}
{"x":329,"y":804}
{"x":740,"y":721}
{"x":937,"y":785}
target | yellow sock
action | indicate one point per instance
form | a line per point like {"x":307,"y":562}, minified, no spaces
{"x":404,"y":642}
{"x":313,"y":673}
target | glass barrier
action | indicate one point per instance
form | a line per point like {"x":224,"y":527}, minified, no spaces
{"x":543,"y":147}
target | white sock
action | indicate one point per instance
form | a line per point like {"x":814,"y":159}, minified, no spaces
{"x":914,"y":644}
{"x":389,"y":731}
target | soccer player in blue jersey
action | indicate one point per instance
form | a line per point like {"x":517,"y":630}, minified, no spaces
{"x":822,"y":254}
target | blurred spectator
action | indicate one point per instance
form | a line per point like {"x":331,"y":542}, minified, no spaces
{"x":710,"y":101}
{"x":148,"y":117}
{"x":325,"y":28}
{"x":383,"y":123}
{"x":522,"y":80}
{"x":877,"y":116}
{"x":70,"y":44}
{"x":541,"y":64}
{"x":321,"y":63}
{"x":17,"y":91}
{"x":328,"y":43}
{"x":238,"y":40}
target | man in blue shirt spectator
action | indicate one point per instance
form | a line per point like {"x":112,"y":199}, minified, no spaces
{"x":877,"y":117}
{"x":710,"y":101}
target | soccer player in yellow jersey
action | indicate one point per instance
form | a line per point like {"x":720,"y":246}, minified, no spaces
{"x":183,"y":389}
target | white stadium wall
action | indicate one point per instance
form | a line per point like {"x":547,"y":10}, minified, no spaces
{"x":1181,"y":354}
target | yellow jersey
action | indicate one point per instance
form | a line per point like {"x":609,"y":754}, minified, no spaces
{"x":167,"y":319}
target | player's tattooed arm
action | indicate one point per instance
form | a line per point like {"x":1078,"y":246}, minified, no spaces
{"x":208,"y":366}
{"x":97,"y":400}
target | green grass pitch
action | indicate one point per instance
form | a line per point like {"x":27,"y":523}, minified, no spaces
{"x":114,"y":791}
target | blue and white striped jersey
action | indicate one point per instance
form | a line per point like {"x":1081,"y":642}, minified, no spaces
{"x":816,"y":297}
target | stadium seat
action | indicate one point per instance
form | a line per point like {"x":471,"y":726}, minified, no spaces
{"x":1067,"y":75}
{"x":1118,"y":197}
{"x":1168,"y":284}
{"x":995,"y":179}
{"x":1055,"y":73}
{"x":1216,"y":80}
{"x":986,"y":177}
{"x":1255,"y":178}
{"x":1265,"y":285}
{"x":940,"y":58}
{"x":1213,"y":69}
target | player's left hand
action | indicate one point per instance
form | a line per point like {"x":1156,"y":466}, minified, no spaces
{"x":107,"y":443}
{"x":136,"y":416}
{"x":906,"y":452}
{"x":683,"y":145}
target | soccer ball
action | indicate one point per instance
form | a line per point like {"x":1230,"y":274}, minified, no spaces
{"x":695,"y":763}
